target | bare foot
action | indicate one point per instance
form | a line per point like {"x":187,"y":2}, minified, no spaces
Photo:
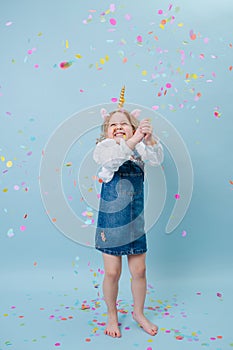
{"x":148,"y":326}
{"x":112,"y":328}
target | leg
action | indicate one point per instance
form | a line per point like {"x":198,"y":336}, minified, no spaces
{"x":137,"y":269}
{"x":112,"y":267}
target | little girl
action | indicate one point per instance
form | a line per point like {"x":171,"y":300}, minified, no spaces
{"x":121,"y":152}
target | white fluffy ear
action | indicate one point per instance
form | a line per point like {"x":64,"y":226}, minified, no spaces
{"x":136,"y":113}
{"x":104,"y":113}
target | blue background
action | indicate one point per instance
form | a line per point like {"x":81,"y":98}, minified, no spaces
{"x":42,"y":269}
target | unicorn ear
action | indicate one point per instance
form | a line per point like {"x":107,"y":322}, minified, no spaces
{"x":104,"y":113}
{"x":135,"y":113}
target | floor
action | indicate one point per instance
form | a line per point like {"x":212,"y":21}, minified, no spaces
{"x":192,"y":314}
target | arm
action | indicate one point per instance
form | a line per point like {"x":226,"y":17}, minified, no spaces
{"x":150,"y":149}
{"x":111,"y":155}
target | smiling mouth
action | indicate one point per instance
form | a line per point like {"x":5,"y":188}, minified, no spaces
{"x":119,"y":134}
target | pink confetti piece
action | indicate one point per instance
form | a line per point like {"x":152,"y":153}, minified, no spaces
{"x":114,"y":99}
{"x":184,"y":233}
{"x":177,"y":196}
{"x":168,"y":85}
{"x":139,"y":39}
{"x":57,"y":344}
{"x":155,"y":108}
{"x":160,"y":12}
{"x":127,"y":17}
{"x":219,"y":295}
{"x":112,"y":21}
{"x":22,"y":228}
{"x":112,"y":7}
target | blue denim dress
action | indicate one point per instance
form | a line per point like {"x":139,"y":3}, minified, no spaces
{"x":120,"y":226}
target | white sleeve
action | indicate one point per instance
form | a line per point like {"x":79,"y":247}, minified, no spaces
{"x":152,"y":154}
{"x":111,"y":155}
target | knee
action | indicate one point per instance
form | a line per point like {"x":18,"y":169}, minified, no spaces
{"x":138,"y":272}
{"x":113,"y":275}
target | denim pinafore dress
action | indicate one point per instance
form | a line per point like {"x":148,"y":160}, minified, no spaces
{"x":120,"y":225}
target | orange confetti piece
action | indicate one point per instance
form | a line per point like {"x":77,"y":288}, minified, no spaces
{"x":230,"y":68}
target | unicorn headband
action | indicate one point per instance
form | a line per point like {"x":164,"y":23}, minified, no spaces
{"x":104,"y":113}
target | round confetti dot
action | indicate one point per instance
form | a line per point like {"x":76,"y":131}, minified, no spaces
{"x":22,"y":228}
{"x":114,"y":99}
{"x":160,"y":12}
{"x":155,"y":108}
{"x":184,"y":233}
{"x":168,"y":85}
{"x":9,"y":164}
{"x":112,"y":21}
{"x":179,"y":337}
{"x":144,"y":72}
{"x":139,"y":39}
{"x":57,"y":344}
{"x":16,"y":187}
{"x":177,"y":196}
{"x":87,"y":340}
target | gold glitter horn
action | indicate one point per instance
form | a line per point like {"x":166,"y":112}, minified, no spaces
{"x":122,"y":98}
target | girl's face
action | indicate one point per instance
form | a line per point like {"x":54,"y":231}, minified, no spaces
{"x":119,"y":127}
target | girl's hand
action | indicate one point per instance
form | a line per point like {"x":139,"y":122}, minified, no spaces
{"x":147,"y":129}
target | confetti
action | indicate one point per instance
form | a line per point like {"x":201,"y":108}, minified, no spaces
{"x":65,"y":65}
{"x":112,"y":21}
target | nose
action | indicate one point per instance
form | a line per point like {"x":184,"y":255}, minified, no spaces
{"x":118,"y":126}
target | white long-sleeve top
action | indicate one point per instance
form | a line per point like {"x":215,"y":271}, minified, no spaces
{"x":111,"y":155}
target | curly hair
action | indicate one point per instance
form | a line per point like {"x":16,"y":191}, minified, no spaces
{"x":104,"y":128}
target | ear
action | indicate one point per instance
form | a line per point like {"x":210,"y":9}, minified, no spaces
{"x":135,"y":113}
{"x":104,"y":113}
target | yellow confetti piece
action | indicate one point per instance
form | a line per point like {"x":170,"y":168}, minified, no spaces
{"x":5,"y":190}
{"x":5,"y":315}
{"x":78,"y":55}
{"x":194,"y":76}
{"x":9,"y":164}
{"x":67,"y":44}
{"x":107,"y":58}
{"x":2,"y":158}
{"x":144,"y":72}
{"x":102,"y":60}
{"x":180,"y":24}
{"x":161,"y":26}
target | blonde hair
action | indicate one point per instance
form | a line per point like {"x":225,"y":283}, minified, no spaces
{"x":104,"y":128}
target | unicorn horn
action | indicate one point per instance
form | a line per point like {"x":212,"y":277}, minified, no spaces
{"x":122,"y":98}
